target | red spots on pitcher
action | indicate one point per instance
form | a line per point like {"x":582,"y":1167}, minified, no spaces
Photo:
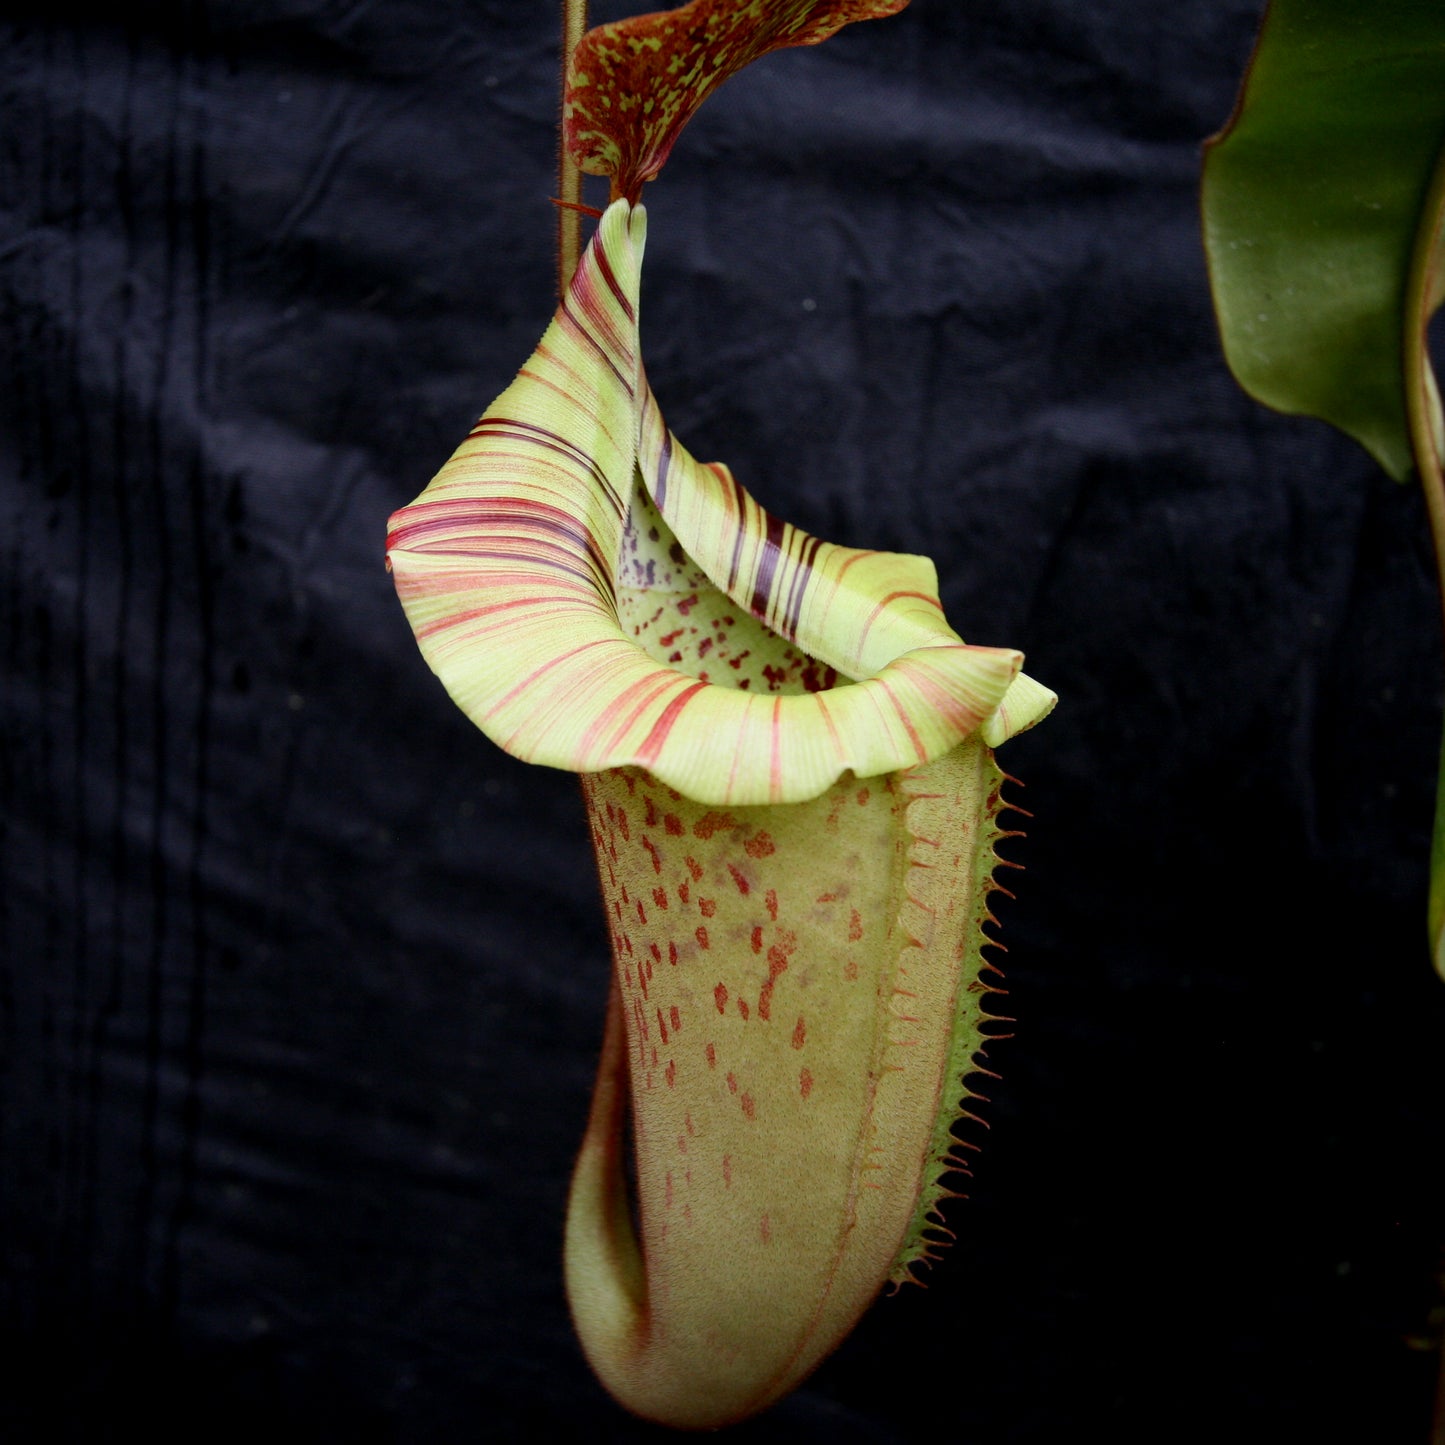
{"x":672,"y":825}
{"x":709,"y":824}
{"x":760,"y":845}
{"x":707,"y":906}
{"x":701,"y":936}
{"x":863,"y":796}
{"x":683,"y":893}
{"x":855,"y":926}
{"x":850,"y":970}
{"x":662,"y":1027}
{"x":758,"y":938}
{"x":732,"y":1082}
{"x":659,"y":897}
{"x":672,"y":954}
{"x":777,"y":964}
{"x":674,"y":1017}
{"x":805,"y":1082}
{"x":744,"y":887}
{"x":765,"y":1229}
{"x":670,"y":1074}
{"x":750,"y":1109}
{"x":641,"y":913}
{"x":800,"y":1033}
{"x":653,"y":853}
{"x":693,"y":867}
{"x":720,"y":998}
{"x":744,"y":1010}
{"x":770,"y":900}
{"x":711,"y":1052}
{"x":727,"y":1171}
{"x":622,"y":826}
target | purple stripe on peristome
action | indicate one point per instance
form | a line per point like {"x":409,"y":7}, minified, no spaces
{"x":788,"y":624}
{"x":552,"y":441}
{"x":768,"y":565}
{"x":565,"y":312}
{"x":659,"y":481}
{"x":740,"y":497}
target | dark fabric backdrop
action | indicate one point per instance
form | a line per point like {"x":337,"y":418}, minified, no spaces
{"x":301,"y":979}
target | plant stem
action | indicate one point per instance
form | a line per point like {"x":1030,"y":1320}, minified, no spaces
{"x":1423,"y":294}
{"x":1426,"y":444}
{"x":569,"y":176}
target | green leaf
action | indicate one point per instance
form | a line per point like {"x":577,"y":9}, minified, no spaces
{"x":1322,"y":202}
{"x":633,"y":85}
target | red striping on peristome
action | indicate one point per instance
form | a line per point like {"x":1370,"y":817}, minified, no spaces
{"x":599,"y":254}
{"x":652,"y":743}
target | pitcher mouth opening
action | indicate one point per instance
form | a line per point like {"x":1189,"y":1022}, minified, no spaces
{"x":676,"y":614}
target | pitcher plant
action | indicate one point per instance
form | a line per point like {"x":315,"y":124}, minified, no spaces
{"x":786,"y":759}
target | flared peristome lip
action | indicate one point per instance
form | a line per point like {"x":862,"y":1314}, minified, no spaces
{"x":507,"y":568}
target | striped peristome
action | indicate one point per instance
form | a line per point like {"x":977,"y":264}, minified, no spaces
{"x":794,"y":805}
{"x":506,"y":567}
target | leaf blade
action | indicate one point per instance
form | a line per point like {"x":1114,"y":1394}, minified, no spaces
{"x":1313,"y":197}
